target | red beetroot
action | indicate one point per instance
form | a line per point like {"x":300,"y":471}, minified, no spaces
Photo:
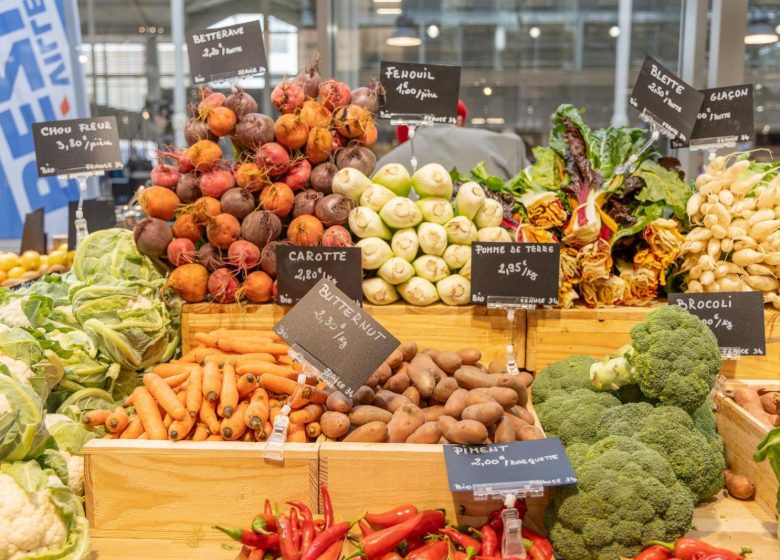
{"x":297,"y":177}
{"x":241,"y":103}
{"x":223,"y":285}
{"x":164,"y":175}
{"x":210,"y":101}
{"x":287,"y":97}
{"x":210,"y":257}
{"x":268,"y":256}
{"x":309,"y":78}
{"x":273,"y":158}
{"x":238,"y":202}
{"x":337,"y":236}
{"x":261,"y":227}
{"x":244,"y":255}
{"x":152,"y":236}
{"x":217,"y":182}
{"x":196,"y":130}
{"x":181,"y":251}
{"x":184,"y":163}
{"x":254,"y":130}
{"x":334,"y":93}
{"x":188,"y":188}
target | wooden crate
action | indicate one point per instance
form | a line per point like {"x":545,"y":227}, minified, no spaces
{"x":554,"y":334}
{"x":176,"y":491}
{"x":741,"y":435}
{"x":437,"y":326}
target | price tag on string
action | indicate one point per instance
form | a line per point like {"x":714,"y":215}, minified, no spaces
{"x":736,"y":319}
{"x":300,"y":268}
{"x":525,"y":272}
{"x":665,"y":101}
{"x":336,"y":336}
{"x":503,"y":468}
{"x":77,"y":146}
{"x":724,"y":120}
{"x":420,"y":90}
{"x":235,"y":51}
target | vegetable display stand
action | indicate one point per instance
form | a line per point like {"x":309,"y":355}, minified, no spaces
{"x":553,"y":334}
{"x":436,"y":326}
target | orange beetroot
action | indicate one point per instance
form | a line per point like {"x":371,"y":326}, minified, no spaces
{"x":189,"y":281}
{"x":222,"y":230}
{"x":204,"y":154}
{"x":158,"y":202}
{"x":305,"y":230}
{"x":257,"y":287}
{"x":188,"y":227}
{"x":277,"y":198}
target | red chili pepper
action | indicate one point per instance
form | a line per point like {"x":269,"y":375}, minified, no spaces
{"x":333,"y":551}
{"x":319,"y":526}
{"x":534,"y":551}
{"x":438,"y":550}
{"x":296,"y":529}
{"x":432,"y":520}
{"x":540,"y":541}
{"x":324,"y":540}
{"x":286,"y":541}
{"x":250,"y":538}
{"x":327,"y":506}
{"x":268,"y":515}
{"x":417,"y":551}
{"x":392,"y":556}
{"x":489,"y":540}
{"x":307,"y":528}
{"x":381,"y":542}
{"x":365,"y":528}
{"x":654,"y":552}
{"x":468,"y":555}
{"x":687,"y":548}
{"x":391,"y":517}
{"x":461,"y":539}
{"x":259,"y":525}
{"x":256,"y":554}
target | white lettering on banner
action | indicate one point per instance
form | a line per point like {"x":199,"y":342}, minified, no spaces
{"x":36,"y":84}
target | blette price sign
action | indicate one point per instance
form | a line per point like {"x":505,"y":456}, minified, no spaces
{"x":418,"y":90}
{"x":300,"y":268}
{"x":541,"y":462}
{"x":664,"y":99}
{"x":336,"y":336}
{"x":725,"y":118}
{"x":76,"y":146}
{"x":525,"y":272}
{"x":736,"y":318}
{"x":235,"y":51}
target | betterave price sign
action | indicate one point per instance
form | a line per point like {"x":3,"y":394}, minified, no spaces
{"x":235,"y":51}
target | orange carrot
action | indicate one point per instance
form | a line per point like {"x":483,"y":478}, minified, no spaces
{"x":176,"y":381}
{"x":249,"y":436}
{"x":239,"y":333}
{"x":134,"y":428}
{"x":309,"y":413}
{"x":208,"y":415}
{"x":259,"y":368}
{"x":313,"y":430}
{"x":234,"y":427}
{"x":276,"y":384}
{"x":251,"y":346}
{"x":296,"y":433}
{"x":214,"y":437}
{"x":144,"y":435}
{"x":212,"y":382}
{"x":245,"y":385}
{"x":256,"y":413}
{"x":201,"y":432}
{"x":252,"y":357}
{"x":180,"y":428}
{"x":228,"y":397}
{"x":95,"y":417}
{"x":167,"y":421}
{"x":165,"y":396}
{"x":171,"y":369}
{"x":117,"y":421}
{"x":146,"y":408}
{"x":194,"y":391}
{"x":221,"y":340}
{"x":198,"y":354}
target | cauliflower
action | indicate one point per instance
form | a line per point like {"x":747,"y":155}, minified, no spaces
{"x":64,"y":455}
{"x":12,"y":314}
{"x":18,"y":369}
{"x":575,"y":416}
{"x":563,"y":376}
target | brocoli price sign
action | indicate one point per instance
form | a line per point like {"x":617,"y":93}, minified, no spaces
{"x":336,"y":336}
{"x":725,"y":118}
{"x":535,"y":463}
{"x":300,"y":268}
{"x":525,"y":272}
{"x":736,"y":318}
{"x":235,"y":51}
{"x":665,"y":100}
{"x":418,"y":90}
{"x":77,"y":146}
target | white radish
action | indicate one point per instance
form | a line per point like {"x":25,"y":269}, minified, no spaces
{"x":768,"y":198}
{"x":710,"y":220}
{"x":714,"y":286}
{"x":763,"y":283}
{"x":730,"y":283}
{"x":726,"y":198}
{"x":717,"y":165}
{"x":698,"y":234}
{"x":744,"y":257}
{"x":744,"y":186}
{"x":706,"y":262}
{"x":758,"y":270}
{"x":707,"y":278}
{"x":704,"y":178}
{"x":761,"y":216}
{"x":721,"y":270}
{"x":695,"y":287}
{"x":713,"y":247}
{"x":726,"y":245}
{"x":762,"y":230}
{"x":693,"y":205}
{"x":718,"y":231}
{"x":734,"y":232}
{"x":695,"y":273}
{"x":742,"y":205}
{"x":772,"y":259}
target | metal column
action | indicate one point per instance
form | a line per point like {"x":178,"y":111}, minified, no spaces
{"x":693,"y":34}
{"x":325,"y":33}
{"x":727,"y":43}
{"x":73,"y":26}
{"x":179,"y":88}
{"x":92,"y":40}
{"x":622,"y":64}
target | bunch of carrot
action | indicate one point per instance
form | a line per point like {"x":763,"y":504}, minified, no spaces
{"x":228,"y":388}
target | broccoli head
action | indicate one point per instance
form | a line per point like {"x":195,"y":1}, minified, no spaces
{"x":563,"y":376}
{"x":704,"y":420}
{"x":626,"y":495}
{"x":574,"y":417}
{"x":673,"y":358}
{"x":670,"y":431}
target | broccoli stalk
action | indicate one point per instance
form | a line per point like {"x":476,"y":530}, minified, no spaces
{"x":614,"y":372}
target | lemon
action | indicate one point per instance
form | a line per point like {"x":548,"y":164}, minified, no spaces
{"x":7,"y":261}
{"x":30,"y":260}
{"x":58,"y":257}
{"x":16,"y":272}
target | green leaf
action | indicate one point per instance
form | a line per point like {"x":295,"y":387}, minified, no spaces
{"x":663,"y":186}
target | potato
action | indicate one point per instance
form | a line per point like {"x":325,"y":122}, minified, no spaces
{"x":432,"y":413}
{"x":364,"y":395}
{"x":739,"y":486}
{"x":339,"y":402}
{"x":413,"y":395}
{"x":404,"y":422}
{"x":467,"y":432}
{"x":430,"y":432}
{"x":496,"y":367}
{"x":523,"y":413}
{"x":373,"y":432}
{"x":446,"y":422}
{"x":528,"y":433}
{"x":334,"y":424}
{"x":505,"y":430}
{"x":389,"y":400}
{"x":432,"y":352}
{"x":449,"y":362}
{"x":421,"y":378}
{"x":526,"y":378}
{"x":482,"y":367}
{"x":504,"y":396}
{"x":427,"y":362}
{"x":380,"y":376}
{"x":395,"y":359}
{"x":365,"y":413}
{"x":771,"y":402}
{"x":475,"y":396}
{"x":456,"y":403}
{"x":444,"y":389}
{"x":517,"y":424}
{"x":513,"y":382}
{"x":470,"y":377}
{"x":470,"y":356}
{"x":487,"y":413}
{"x":399,"y":382}
{"x":409,"y":350}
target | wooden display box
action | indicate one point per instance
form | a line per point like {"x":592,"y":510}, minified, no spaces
{"x":554,"y":334}
{"x":437,"y":326}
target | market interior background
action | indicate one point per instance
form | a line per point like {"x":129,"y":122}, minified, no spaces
{"x":520,"y":59}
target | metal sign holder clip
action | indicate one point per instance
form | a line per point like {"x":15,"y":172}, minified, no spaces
{"x":412,"y":121}
{"x":655,"y":133}
{"x":510,"y":305}
{"x":81,"y":222}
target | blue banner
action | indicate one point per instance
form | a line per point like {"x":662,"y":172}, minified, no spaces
{"x":36,"y":84}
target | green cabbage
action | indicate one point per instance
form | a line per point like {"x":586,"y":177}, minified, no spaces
{"x":113,"y":252}
{"x":22,"y":431}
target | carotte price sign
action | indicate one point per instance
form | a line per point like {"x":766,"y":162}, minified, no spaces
{"x":420,"y":90}
{"x":235,"y":51}
{"x":300,"y":268}
{"x":77,"y":146}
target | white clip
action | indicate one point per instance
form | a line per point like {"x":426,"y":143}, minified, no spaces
{"x":274,"y":447}
{"x":512,"y":540}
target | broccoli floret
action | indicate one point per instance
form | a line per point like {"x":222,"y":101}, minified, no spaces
{"x":704,"y":420}
{"x":563,"y":376}
{"x":574,"y":417}
{"x":670,"y":431}
{"x":673,"y":358}
{"x":626,"y":495}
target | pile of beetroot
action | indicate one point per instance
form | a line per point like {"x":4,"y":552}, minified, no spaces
{"x":218,"y":221}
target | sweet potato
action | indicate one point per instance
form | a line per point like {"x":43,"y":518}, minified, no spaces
{"x":504,"y":396}
{"x":395,"y":359}
{"x":456,"y":403}
{"x":365,"y":413}
{"x":496,"y":367}
{"x":444,"y":389}
{"x":432,"y":413}
{"x":334,"y":424}
{"x":446,"y":422}
{"x":469,"y":356}
{"x":339,"y":402}
{"x":488,"y":413}
{"x":749,"y":400}
{"x":523,"y":414}
{"x":421,"y":378}
{"x":449,"y":362}
{"x":739,"y":486}
{"x":404,"y":422}
{"x":470,"y":377}
{"x":527,"y":433}
{"x":413,"y":395}
{"x":482,"y":367}
{"x":505,"y":430}
{"x":399,"y":382}
{"x":409,"y":350}
{"x":389,"y":400}
{"x":467,"y":432}
{"x":364,"y":395}
{"x":373,"y":432}
{"x":771,"y":402}
{"x":476,"y":396}
{"x":430,"y":432}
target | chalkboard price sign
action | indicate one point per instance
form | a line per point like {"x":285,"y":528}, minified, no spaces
{"x":77,"y":146}
{"x":420,"y":90}
{"x":725,"y":118}
{"x":235,"y":51}
{"x":300,"y":268}
{"x":665,"y":100}
{"x":736,"y":318}
{"x":540,"y":463}
{"x":336,"y":336}
{"x":525,"y":272}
